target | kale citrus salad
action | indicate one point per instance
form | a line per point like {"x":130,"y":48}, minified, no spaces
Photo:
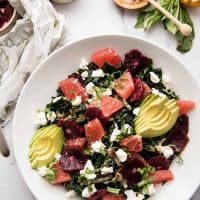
{"x":112,"y":130}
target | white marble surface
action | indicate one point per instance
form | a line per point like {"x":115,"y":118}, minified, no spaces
{"x":91,"y":17}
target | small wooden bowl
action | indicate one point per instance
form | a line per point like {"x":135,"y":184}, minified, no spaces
{"x":131,"y":4}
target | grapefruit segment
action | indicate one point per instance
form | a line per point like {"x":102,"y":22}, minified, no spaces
{"x":133,"y":143}
{"x":94,"y":130}
{"x":61,"y":176}
{"x":124,"y":86}
{"x":108,"y":105}
{"x":161,"y":176}
{"x":71,"y":88}
{"x":108,"y":55}
{"x":185,"y":106}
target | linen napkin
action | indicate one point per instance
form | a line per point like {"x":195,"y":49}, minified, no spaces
{"x":40,"y":31}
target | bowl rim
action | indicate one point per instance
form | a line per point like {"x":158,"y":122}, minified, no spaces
{"x":67,"y":45}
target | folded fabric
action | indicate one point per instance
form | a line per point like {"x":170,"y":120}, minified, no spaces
{"x":39,"y":32}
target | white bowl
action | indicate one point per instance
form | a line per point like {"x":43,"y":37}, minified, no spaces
{"x":43,"y":83}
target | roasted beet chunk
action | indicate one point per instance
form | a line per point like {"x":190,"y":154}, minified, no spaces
{"x":139,"y":90}
{"x":129,"y":169}
{"x":93,"y":113}
{"x":72,"y":129}
{"x":135,"y":61}
{"x":98,"y":195}
{"x":73,"y":160}
{"x":178,"y":135}
{"x":159,"y":162}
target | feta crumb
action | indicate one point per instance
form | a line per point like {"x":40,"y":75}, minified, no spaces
{"x":106,"y":170}
{"x":166,"y":81}
{"x":51,"y":116}
{"x":90,"y":88}
{"x":98,"y":146}
{"x":108,"y":92}
{"x":115,"y":133}
{"x":167,"y":151}
{"x":84,"y":75}
{"x":83,"y":64}
{"x":57,"y":156}
{"x":41,"y":119}
{"x":56,"y":99}
{"x":154,"y":77}
{"x":88,"y":171}
{"x":127,"y":128}
{"x":121,"y":155}
{"x":71,"y":194}
{"x":131,"y":195}
{"x":150,"y":190}
{"x":124,"y":184}
{"x":42,"y":171}
{"x":157,"y":92}
{"x":136,"y":111}
{"x":88,"y":191}
{"x":77,"y":101}
{"x":98,"y":73}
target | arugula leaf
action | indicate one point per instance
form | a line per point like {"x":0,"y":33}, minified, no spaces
{"x":185,"y":42}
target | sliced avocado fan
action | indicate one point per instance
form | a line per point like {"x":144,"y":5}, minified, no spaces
{"x":156,"y":117}
{"x":46,"y":142}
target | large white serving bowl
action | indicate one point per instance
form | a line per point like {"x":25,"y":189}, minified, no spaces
{"x":43,"y":84}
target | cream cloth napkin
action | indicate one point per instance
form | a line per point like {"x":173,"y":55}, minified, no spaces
{"x":40,"y":31}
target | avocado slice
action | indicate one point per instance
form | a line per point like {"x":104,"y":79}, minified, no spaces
{"x":157,"y":116}
{"x":45,"y":144}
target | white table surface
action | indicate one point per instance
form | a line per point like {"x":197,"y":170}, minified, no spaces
{"x":92,"y":17}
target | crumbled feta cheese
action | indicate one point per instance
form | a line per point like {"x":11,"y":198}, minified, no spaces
{"x":98,"y":73}
{"x":88,"y":191}
{"x":136,"y":111}
{"x":88,"y":171}
{"x":166,"y":81}
{"x":77,"y":101}
{"x":115,"y":133}
{"x":157,"y":92}
{"x":124,"y":184}
{"x":90,"y":88}
{"x":167,"y":151}
{"x":149,"y":190}
{"x":98,"y":146}
{"x":42,"y":171}
{"x":106,"y":170}
{"x":51,"y":116}
{"x":57,"y":156}
{"x":83,"y":64}
{"x":127,"y":128}
{"x":131,"y":195}
{"x":121,"y":155}
{"x":154,"y":77}
{"x":107,"y":92}
{"x":41,"y":119}
{"x":84,"y":75}
{"x":71,"y":194}
{"x":56,"y":99}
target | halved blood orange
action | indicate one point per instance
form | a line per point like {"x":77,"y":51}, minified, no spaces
{"x":131,"y":4}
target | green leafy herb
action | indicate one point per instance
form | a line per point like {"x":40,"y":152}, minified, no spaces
{"x":149,"y":16}
{"x":185,"y":42}
{"x":61,"y":105}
